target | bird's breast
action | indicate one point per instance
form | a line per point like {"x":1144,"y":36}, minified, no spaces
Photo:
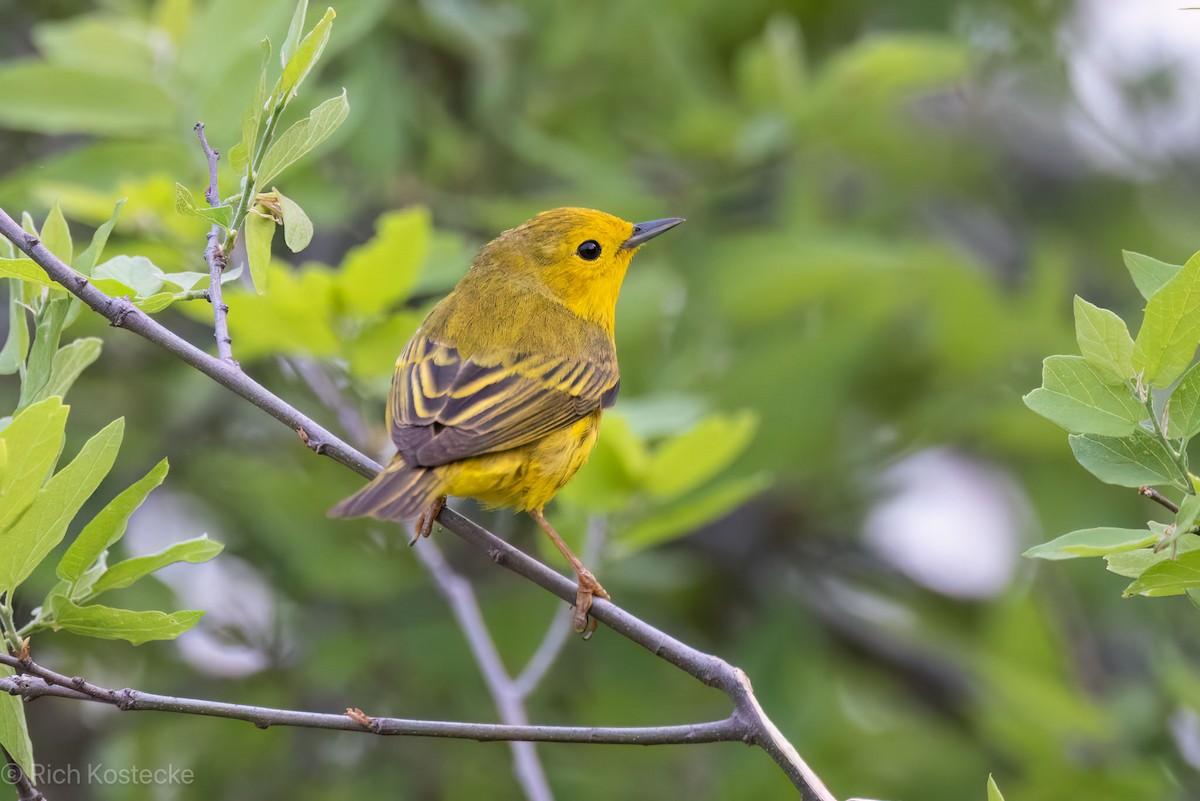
{"x":527,"y":477}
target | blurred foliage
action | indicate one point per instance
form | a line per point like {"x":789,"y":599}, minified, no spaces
{"x":889,"y":208}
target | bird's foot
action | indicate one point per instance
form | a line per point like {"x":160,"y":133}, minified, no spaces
{"x":588,"y":589}
{"x":424,"y":525}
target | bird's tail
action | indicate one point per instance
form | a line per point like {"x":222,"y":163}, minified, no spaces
{"x":401,"y":492}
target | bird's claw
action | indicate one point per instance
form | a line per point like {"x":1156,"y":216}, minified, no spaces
{"x":424,"y":525}
{"x":588,"y":589}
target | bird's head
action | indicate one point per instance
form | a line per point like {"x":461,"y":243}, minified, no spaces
{"x":577,"y":255}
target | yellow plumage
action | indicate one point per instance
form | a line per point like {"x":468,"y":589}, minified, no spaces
{"x":498,"y":395}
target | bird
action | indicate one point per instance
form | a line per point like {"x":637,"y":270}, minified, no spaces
{"x":498,"y":395}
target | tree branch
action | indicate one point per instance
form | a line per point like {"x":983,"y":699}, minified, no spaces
{"x":509,"y":703}
{"x":752,"y":724}
{"x":216,"y":257}
{"x":14,"y":775}
{"x":1159,"y":498}
{"x":47,"y":684}
{"x":559,"y":630}
{"x":330,"y":394}
{"x":459,"y":594}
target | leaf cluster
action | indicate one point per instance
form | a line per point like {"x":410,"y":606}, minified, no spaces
{"x":1132,"y":406}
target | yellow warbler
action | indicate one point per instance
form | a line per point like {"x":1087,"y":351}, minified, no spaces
{"x":498,"y":395}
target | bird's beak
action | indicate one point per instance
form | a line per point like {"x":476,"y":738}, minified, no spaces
{"x":645,"y":231}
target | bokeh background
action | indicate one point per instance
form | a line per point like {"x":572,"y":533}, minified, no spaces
{"x":889,"y":208}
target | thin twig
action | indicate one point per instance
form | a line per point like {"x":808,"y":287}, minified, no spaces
{"x":216,"y":257}
{"x":15,"y":775}
{"x":527,"y":766}
{"x":559,"y":632}
{"x":323,"y":386}
{"x":1159,"y":498}
{"x":130,"y":700}
{"x":509,"y":703}
{"x":754,"y":727}
{"x":8,"y":627}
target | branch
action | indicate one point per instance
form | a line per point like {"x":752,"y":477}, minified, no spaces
{"x":123,"y":314}
{"x":527,"y":767}
{"x":1159,"y":498}
{"x":328,"y":393}
{"x":45,"y":683}
{"x":509,"y":702}
{"x":216,"y":257}
{"x":560,"y":629}
{"x":754,"y":727}
{"x":15,"y":775}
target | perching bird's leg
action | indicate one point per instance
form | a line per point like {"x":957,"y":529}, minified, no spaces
{"x":588,"y":586}
{"x":424,"y":524}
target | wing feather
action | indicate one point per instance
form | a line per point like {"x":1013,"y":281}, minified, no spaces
{"x":444,"y":407}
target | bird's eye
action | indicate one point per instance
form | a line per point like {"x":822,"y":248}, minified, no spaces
{"x":589,"y":250}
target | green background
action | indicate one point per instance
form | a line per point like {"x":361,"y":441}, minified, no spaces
{"x":890,"y":206}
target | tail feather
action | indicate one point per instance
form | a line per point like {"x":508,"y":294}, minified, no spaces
{"x":400,"y":492}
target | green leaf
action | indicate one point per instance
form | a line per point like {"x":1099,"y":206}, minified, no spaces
{"x":185,"y":204}
{"x":687,"y":461}
{"x":1182,"y":411}
{"x":1148,"y":274}
{"x":1135,"y":461}
{"x":137,"y":274}
{"x":69,"y":362}
{"x":87,"y":260}
{"x":1168,"y":577}
{"x":1104,"y":341}
{"x":297,"y":228}
{"x":1075,"y":396}
{"x":185,"y":279}
{"x":33,"y":440}
{"x":300,"y":63}
{"x":688,"y":515}
{"x":107,"y":526}
{"x":26,"y":270}
{"x":27,"y":542}
{"x":295,"y":31}
{"x":48,"y":326}
{"x":260,"y":230}
{"x":1189,"y":512}
{"x":16,"y":345}
{"x":1093,"y":542}
{"x":302,"y":137}
{"x":14,"y":734}
{"x":1170,"y":332}
{"x":108,"y":623}
{"x":379,"y":273}
{"x":122,"y":574}
{"x":155,"y":303}
{"x":992,"y":790}
{"x":56,"y":236}
{"x":1132,"y":564}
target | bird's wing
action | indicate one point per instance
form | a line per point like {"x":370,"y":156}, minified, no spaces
{"x":444,"y":407}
